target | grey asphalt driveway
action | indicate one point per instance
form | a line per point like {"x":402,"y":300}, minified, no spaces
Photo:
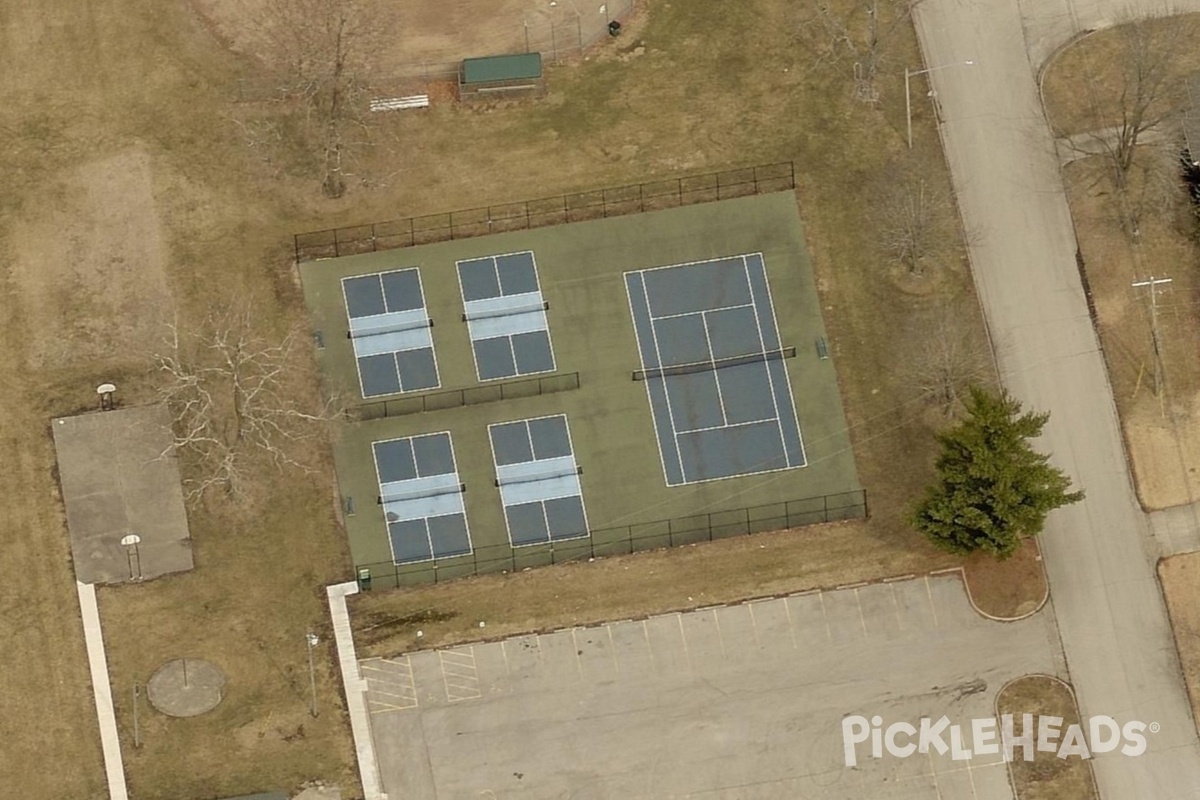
{"x":1099,"y":554}
{"x":738,"y":702}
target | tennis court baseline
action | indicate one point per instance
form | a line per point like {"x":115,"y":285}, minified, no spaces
{"x":715,"y":369}
{"x":391,"y":332}
{"x":421,"y":498}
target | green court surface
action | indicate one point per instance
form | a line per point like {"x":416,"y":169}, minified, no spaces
{"x":581,"y":270}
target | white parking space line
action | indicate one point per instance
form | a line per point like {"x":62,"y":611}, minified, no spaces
{"x":844,"y":615}
{"x":523,"y":655}
{"x":810,"y":627}
{"x":594,"y":649}
{"x":738,"y":636}
{"x":460,"y":675}
{"x":932,"y":605}
{"x":390,"y":684}
{"x":668,"y":647}
{"x":629,"y":649}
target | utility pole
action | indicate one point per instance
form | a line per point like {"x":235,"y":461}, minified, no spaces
{"x":1154,"y":283}
{"x":313,"y":641}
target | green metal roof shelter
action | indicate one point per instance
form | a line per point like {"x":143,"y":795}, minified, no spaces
{"x":519,"y":72}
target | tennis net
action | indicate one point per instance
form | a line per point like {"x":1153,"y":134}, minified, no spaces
{"x":509,"y":311}
{"x":394,"y":327}
{"x":544,"y":475}
{"x":713,"y":366}
{"x":415,"y":494}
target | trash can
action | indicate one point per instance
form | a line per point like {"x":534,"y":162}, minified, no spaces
{"x":614,"y":28}
{"x":364,"y":579}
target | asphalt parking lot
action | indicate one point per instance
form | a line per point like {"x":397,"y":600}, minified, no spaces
{"x":742,"y":701}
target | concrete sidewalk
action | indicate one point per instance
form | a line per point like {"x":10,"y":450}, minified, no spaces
{"x":114,"y":767}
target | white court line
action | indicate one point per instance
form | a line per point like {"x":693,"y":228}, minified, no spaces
{"x":665,"y":388}
{"x":114,"y":767}
{"x":662,"y":453}
{"x":775,"y":322}
{"x":654,"y":316}
{"x":763,"y":344}
{"x":712,"y":359}
{"x":730,"y":425}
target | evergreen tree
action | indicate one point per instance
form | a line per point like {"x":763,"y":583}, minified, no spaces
{"x":993,"y":488}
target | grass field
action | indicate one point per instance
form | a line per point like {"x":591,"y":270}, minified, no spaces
{"x":133,"y":195}
{"x":1081,"y":87}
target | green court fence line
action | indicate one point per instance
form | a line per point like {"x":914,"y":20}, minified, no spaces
{"x":525,"y":214}
{"x":622,"y":540}
{"x":457,"y":398}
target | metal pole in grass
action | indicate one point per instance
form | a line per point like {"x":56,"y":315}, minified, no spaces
{"x":313,"y":641}
{"x":137,"y":731}
{"x":908,"y":73}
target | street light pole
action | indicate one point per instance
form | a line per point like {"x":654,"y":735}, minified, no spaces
{"x":908,"y":75}
{"x":313,"y":641}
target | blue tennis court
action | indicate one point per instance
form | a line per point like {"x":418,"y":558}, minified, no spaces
{"x":422,"y":498}
{"x":715,"y":369}
{"x":391,"y":332}
{"x":506,"y":316}
{"x":538,"y":480}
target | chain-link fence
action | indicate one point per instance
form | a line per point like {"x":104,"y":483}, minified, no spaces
{"x":623,"y":540}
{"x":526,"y":214}
{"x":568,"y":28}
{"x":474,"y":395}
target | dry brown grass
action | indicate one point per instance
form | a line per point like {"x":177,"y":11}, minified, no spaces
{"x":1011,"y":588}
{"x":1081,"y":86}
{"x":1180,"y":576}
{"x":1162,"y":432}
{"x":140,"y":95}
{"x":1047,"y":777}
{"x":628,"y":586}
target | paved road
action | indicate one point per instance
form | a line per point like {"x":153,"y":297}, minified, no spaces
{"x":734,"y":703}
{"x":1099,"y":554}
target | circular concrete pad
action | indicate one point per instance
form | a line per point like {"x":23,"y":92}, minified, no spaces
{"x":186,"y":687}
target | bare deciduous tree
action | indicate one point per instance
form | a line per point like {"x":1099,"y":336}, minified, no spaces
{"x":232,"y":396}
{"x":861,"y":37}
{"x":949,"y":357}
{"x":324,"y":52}
{"x":1150,"y":92}
{"x":914,"y":219}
